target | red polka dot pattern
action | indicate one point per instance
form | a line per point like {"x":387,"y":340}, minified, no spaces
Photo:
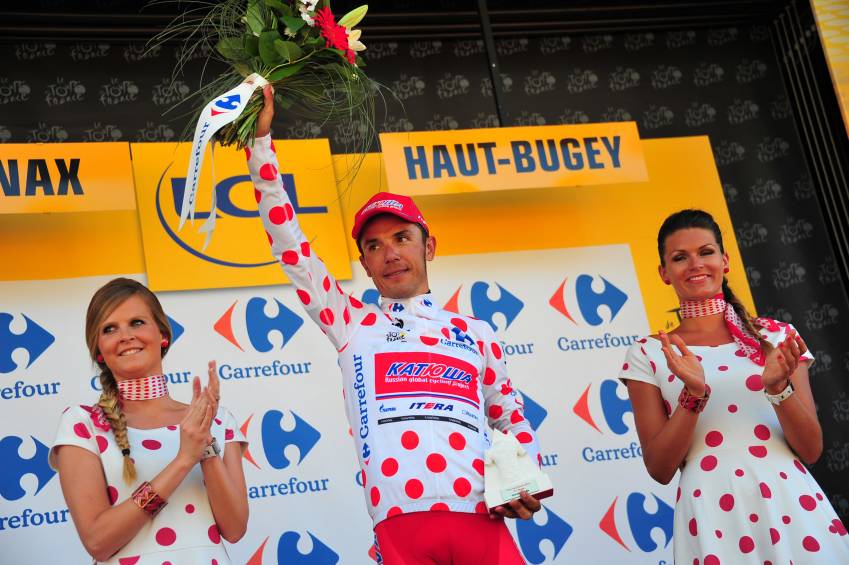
{"x":713,"y":438}
{"x":489,"y":376}
{"x":439,"y":507}
{"x":496,"y":350}
{"x":190,"y":508}
{"x":290,"y":257}
{"x":762,"y":432}
{"x":326,"y":317}
{"x":268,"y":172}
{"x":693,"y":527}
{"x":478,"y":465}
{"x":747,"y":544}
{"x":462,"y":487}
{"x":726,"y":502}
{"x":102,"y":443}
{"x":524,"y":437}
{"x":394,"y":511}
{"x":151,"y":444}
{"x":436,"y":463}
{"x":708,"y":463}
{"x":495,"y":411}
{"x":414,"y":488}
{"x":214,"y":534}
{"x":81,"y":430}
{"x":807,"y":502}
{"x":410,"y":439}
{"x":811,"y":544}
{"x":457,"y":441}
{"x":754,"y":383}
{"x":389,"y":467}
{"x":758,"y":451}
{"x":112,"y":493}
{"x":165,"y":536}
{"x":375,"y":496}
{"x":277,"y":215}
{"x":369,"y":319}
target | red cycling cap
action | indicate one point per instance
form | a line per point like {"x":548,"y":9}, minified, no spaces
{"x":387,"y":203}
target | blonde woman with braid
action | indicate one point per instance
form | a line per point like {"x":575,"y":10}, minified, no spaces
{"x":726,"y":398}
{"x":143,"y":475}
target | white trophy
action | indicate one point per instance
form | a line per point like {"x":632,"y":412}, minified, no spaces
{"x":508,"y":470}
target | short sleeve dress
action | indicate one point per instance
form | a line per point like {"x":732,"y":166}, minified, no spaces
{"x":743,"y":496}
{"x":184,"y":532}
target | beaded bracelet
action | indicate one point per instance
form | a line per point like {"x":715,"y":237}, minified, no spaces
{"x":693,"y":403}
{"x":148,"y":500}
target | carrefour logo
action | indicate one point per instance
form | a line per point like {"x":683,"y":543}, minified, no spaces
{"x":281,"y":443}
{"x":587,"y":295}
{"x":33,"y":339}
{"x":631,"y":527}
{"x":603,"y":409}
{"x":258,"y":324}
{"x":225,"y":104}
{"x":236,"y":216}
{"x":531,"y":534}
{"x":318,"y":553}
{"x":484,"y":307}
{"x":15,"y":467}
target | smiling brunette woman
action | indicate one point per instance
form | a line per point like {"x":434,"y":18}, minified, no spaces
{"x":726,"y":398}
{"x":143,"y":474}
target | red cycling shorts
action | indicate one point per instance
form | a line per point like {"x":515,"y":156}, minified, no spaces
{"x":446,"y":538}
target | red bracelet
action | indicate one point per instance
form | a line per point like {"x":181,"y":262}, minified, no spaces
{"x":693,"y":403}
{"x":148,"y":500}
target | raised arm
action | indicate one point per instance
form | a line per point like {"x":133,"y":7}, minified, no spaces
{"x":335,"y":312}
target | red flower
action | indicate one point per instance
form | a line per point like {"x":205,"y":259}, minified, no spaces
{"x":336,"y":36}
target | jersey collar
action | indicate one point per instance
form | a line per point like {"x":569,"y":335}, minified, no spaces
{"x":421,"y":305}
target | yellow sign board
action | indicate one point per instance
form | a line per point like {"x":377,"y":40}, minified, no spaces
{"x":65,"y":177}
{"x":475,"y":160}
{"x":239,"y":253}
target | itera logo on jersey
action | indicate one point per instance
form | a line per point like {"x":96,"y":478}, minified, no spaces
{"x":26,"y":335}
{"x":279,"y":445}
{"x":631,"y":527}
{"x":531,"y":534}
{"x":590,"y":302}
{"x":287,"y":551}
{"x":255,"y":324}
{"x":12,"y":472}
{"x":603,"y":408}
{"x":236,"y":206}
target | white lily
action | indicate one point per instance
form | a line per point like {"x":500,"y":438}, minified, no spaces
{"x":354,"y":42}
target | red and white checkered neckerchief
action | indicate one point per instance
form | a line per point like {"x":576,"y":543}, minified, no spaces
{"x":145,"y":388}
{"x":747,"y":344}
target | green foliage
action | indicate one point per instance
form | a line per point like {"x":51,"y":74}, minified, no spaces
{"x":270,"y":38}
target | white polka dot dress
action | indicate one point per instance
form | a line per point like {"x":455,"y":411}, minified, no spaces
{"x":743,"y":496}
{"x":184,"y":532}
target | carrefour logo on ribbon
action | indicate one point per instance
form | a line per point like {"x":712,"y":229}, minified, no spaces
{"x":33,"y":339}
{"x":582,"y":296}
{"x":633,"y":525}
{"x":225,"y":104}
{"x":319,"y":553}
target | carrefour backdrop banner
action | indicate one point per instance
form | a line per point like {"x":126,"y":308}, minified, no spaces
{"x":566,"y":278}
{"x":565,"y":317}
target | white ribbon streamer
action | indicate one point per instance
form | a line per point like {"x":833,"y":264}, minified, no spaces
{"x":218,"y":113}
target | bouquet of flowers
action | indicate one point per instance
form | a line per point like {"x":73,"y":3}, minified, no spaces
{"x":297,"y":46}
